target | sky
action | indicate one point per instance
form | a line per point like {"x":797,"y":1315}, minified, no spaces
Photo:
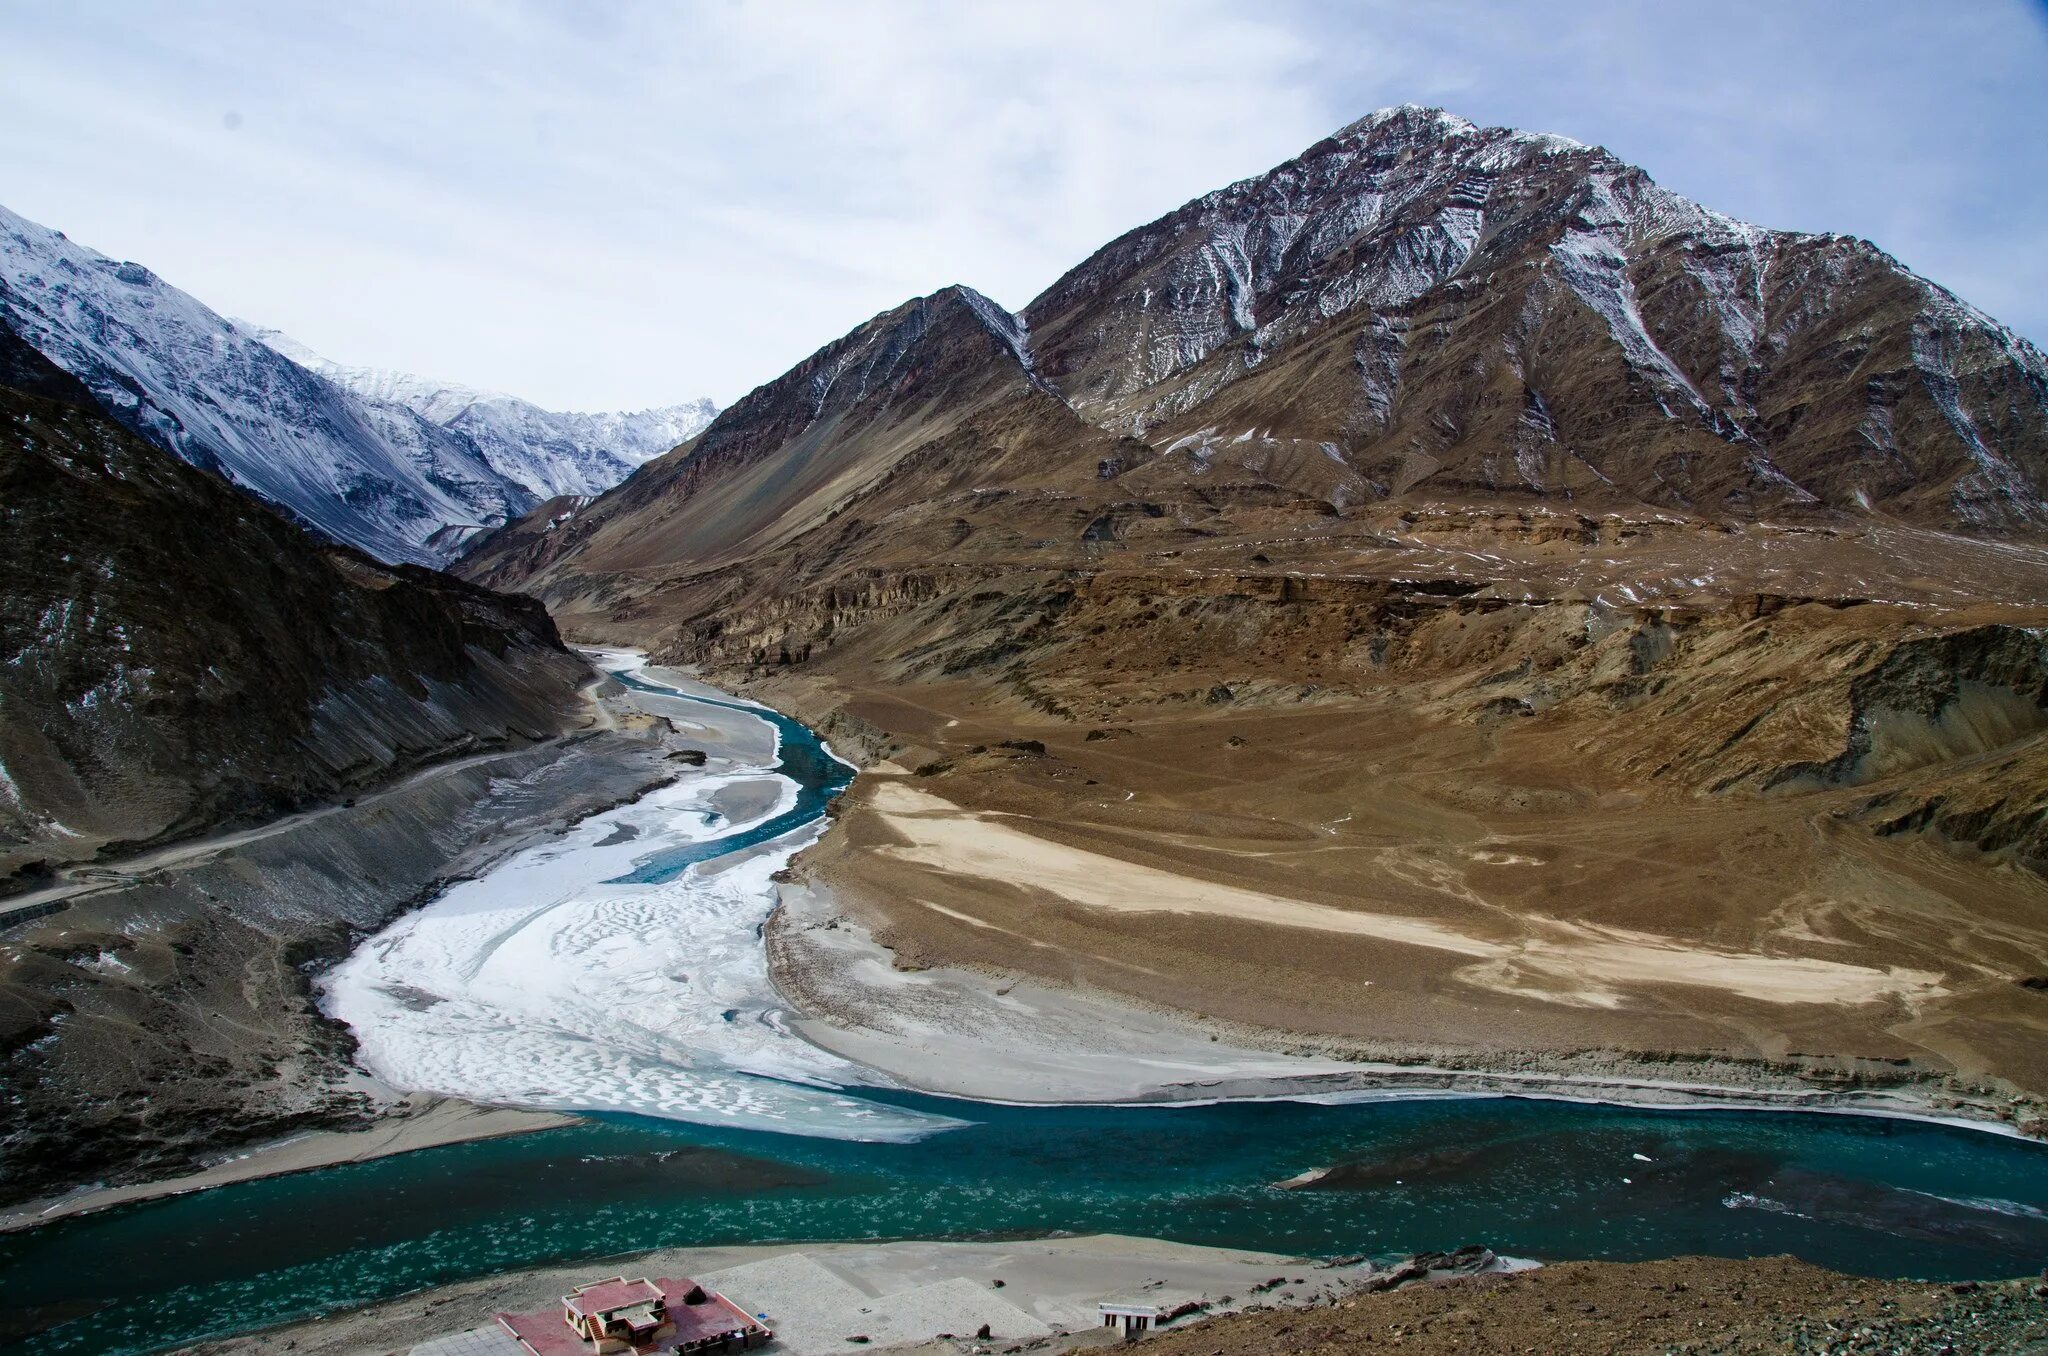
{"x":619,"y":204}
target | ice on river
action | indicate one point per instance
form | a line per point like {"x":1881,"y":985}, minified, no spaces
{"x":551,"y":983}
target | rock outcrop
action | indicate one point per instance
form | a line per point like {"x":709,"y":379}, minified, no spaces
{"x":175,"y":656}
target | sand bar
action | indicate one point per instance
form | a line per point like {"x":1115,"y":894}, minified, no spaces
{"x":419,"y":1122}
{"x":1562,"y":962}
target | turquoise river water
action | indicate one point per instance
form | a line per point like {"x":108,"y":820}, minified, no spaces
{"x":1541,"y":1179}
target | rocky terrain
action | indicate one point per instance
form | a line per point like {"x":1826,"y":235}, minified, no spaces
{"x":1462,"y":1302}
{"x":402,"y":469}
{"x":1568,"y":624}
{"x":1686,"y":1305}
{"x":179,"y":658}
{"x":181,"y":668}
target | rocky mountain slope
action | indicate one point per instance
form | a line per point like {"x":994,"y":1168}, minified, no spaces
{"x":1693,"y":1305}
{"x":1453,"y":308}
{"x":1451,"y":525}
{"x":919,"y":404}
{"x":1415,"y":308}
{"x":373,"y":472}
{"x":177,"y":656}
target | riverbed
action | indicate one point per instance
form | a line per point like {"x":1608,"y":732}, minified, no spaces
{"x":618,"y":970}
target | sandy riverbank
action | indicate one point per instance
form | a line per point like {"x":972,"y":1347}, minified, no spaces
{"x":1005,"y":1034}
{"x":421,"y":1121}
{"x":1008,"y":1038}
{"x":897,"y":1294}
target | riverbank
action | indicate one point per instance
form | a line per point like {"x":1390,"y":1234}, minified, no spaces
{"x":1009,"y":929}
{"x":1692,"y":1305}
{"x":1041,"y":1294}
{"x":400,"y":1125}
{"x":1007,"y":1036}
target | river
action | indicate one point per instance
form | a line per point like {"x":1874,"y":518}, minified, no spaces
{"x":715,"y":1125}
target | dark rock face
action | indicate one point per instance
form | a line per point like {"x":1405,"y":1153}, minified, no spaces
{"x":1939,"y":697}
{"x":175,"y":656}
{"x":157,"y":1022}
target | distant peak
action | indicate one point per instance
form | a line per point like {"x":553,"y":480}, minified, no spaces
{"x":1436,"y":123}
{"x":280,"y":342}
{"x":1409,"y":116}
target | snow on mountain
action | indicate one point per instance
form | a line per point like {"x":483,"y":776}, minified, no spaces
{"x":547,"y":452}
{"x":1458,"y":267}
{"x":637,"y":436}
{"x":408,"y":471}
{"x":194,"y":383}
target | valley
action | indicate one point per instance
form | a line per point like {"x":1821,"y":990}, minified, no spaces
{"x":521,"y":962}
{"x":1442,"y":693}
{"x":1473,"y":876}
{"x":1353,"y":609}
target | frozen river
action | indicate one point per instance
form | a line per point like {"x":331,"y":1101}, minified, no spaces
{"x":619,"y":967}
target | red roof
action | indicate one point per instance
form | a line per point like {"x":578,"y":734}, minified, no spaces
{"x":545,"y":1334}
{"x":603,"y":1296}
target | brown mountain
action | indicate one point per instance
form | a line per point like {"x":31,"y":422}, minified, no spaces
{"x":178,"y":656}
{"x":1450,"y":525}
{"x":1457,"y":309}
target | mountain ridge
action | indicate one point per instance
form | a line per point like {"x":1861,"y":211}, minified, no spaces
{"x":179,"y":656}
{"x":548,"y":453}
{"x":1643,"y":351}
{"x":953,"y":351}
{"x":375,"y":474}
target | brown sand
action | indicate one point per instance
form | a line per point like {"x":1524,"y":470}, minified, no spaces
{"x":1356,"y":882}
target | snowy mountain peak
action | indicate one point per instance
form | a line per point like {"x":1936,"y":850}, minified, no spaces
{"x":1557,"y":266}
{"x":1412,"y":119}
{"x":404,"y":469}
{"x":547,"y":452}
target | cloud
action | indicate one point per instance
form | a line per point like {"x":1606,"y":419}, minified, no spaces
{"x":624,"y":204}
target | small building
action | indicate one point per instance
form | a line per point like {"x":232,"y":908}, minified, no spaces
{"x":1135,"y":1315}
{"x":670,"y":1315}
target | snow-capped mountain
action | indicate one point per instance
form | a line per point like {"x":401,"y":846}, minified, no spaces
{"x":548,"y":452}
{"x":375,"y":473}
{"x":1414,"y":310}
{"x":1507,"y":311}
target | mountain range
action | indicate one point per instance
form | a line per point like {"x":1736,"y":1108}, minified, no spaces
{"x":1450,"y":524}
{"x":1412,"y":309}
{"x":1415,"y":317}
{"x":404,"y":469}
